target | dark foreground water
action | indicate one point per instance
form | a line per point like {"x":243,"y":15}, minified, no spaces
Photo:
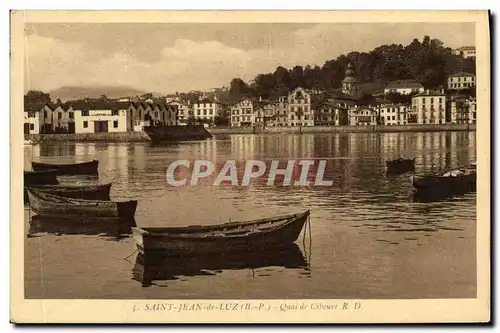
{"x":370,"y":238}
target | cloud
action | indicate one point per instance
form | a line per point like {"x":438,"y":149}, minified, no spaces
{"x":187,"y":64}
{"x":184,"y":66}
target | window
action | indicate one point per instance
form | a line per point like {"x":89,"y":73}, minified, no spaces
{"x":156,"y":114}
{"x":71,"y":116}
{"x":44,"y":114}
{"x":32,"y":127}
{"x":114,"y":112}
{"x":59,"y":115}
{"x":85,"y":113}
{"x":115,"y":124}
{"x":85,"y":124}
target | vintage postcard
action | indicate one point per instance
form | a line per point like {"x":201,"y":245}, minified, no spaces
{"x":250,"y":167}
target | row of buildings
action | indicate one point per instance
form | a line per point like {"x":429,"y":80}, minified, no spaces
{"x":300,"y":107}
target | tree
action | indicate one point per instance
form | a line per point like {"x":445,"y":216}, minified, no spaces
{"x":238,"y":89}
{"x":36,"y":97}
{"x":428,"y":62}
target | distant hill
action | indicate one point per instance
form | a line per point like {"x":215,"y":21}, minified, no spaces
{"x":72,"y":92}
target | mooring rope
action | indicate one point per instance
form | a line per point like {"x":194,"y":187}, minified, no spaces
{"x":137,"y":249}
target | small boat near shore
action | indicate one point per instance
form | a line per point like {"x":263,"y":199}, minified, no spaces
{"x":249,"y":236}
{"x":161,"y":134}
{"x":81,"y":210}
{"x":400,"y":165}
{"x":84,"y":168}
{"x":88,"y":192}
{"x":46,"y":177}
{"x":457,"y":179}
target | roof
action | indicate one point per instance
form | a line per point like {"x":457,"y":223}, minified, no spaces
{"x":466,"y":48}
{"x":430,"y":93}
{"x":349,"y":79}
{"x":404,"y":84}
{"x":461,"y":74}
{"x":338,"y":94}
{"x":394,"y":105}
{"x":33,"y":106}
{"x":98,"y":105}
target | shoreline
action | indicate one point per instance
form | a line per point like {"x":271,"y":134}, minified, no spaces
{"x":344,"y":129}
{"x":143,"y":137}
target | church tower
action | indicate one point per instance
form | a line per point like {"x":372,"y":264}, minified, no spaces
{"x":349,"y":84}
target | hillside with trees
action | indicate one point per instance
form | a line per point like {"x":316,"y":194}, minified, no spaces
{"x":428,"y":62}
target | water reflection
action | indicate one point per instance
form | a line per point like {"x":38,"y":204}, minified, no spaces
{"x":39,"y":226}
{"x":148,"y":269}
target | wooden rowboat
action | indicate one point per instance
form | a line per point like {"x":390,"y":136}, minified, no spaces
{"x":400,"y":165}
{"x":88,"y":192}
{"x":85,"y":168}
{"x":249,"y":236}
{"x":47,"y":177}
{"x":78,"y":210}
{"x":449,"y":180}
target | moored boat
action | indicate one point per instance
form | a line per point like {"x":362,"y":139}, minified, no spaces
{"x":250,"y":236}
{"x":46,"y":177}
{"x":84,"y":168}
{"x":77,"y":210}
{"x":159,"y":134}
{"x":449,"y":180}
{"x":88,"y":192}
{"x":400,"y":165}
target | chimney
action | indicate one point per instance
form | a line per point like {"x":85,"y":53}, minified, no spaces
{"x":427,"y":91}
{"x":260,"y":98}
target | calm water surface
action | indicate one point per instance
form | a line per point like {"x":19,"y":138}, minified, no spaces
{"x":369,"y":237}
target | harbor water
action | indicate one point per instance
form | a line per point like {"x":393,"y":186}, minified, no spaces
{"x":368,"y":236}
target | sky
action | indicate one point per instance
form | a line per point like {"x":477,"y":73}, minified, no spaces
{"x":167,"y":58}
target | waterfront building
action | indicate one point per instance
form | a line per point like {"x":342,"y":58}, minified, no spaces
{"x":461,"y":80}
{"x":394,"y":114}
{"x":428,"y":108}
{"x":362,"y":116}
{"x":404,"y":87}
{"x":299,"y":108}
{"x":281,"y":112}
{"x":466,"y":52}
{"x":264,"y":113}
{"x":328,"y":113}
{"x":207,"y":110}
{"x":32,"y":121}
{"x":463,"y":110}
{"x":242,"y":113}
{"x":97,"y":117}
{"x":184,"y":111}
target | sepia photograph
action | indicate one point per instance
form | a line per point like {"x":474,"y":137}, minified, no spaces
{"x":250,"y":166}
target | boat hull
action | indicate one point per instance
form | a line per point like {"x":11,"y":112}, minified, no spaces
{"x":159,"y":134}
{"x":88,"y":192}
{"x":85,"y":168}
{"x":205,"y":240}
{"x":78,"y":210}
{"x":441,"y":183}
{"x":400,"y":166}
{"x":46,"y":177}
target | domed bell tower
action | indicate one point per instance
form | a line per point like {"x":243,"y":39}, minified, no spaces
{"x":350,"y":84}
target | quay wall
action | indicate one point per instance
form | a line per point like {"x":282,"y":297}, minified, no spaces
{"x":143,"y":137}
{"x":344,"y":129}
{"x":90,"y":137}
